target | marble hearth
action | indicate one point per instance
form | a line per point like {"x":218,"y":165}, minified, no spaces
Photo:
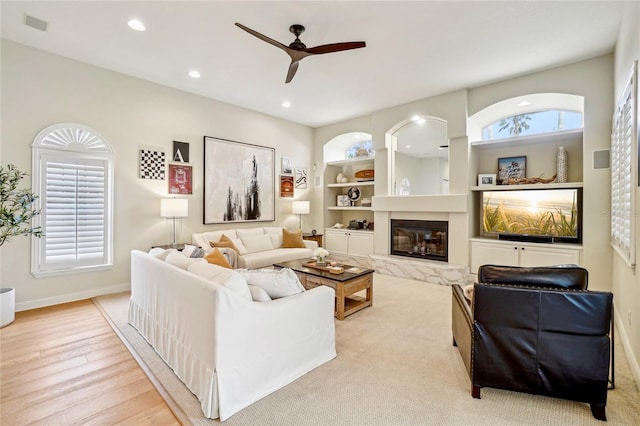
{"x":422,"y":270}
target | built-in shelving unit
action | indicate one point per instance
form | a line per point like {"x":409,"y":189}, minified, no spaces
{"x":540,"y":151}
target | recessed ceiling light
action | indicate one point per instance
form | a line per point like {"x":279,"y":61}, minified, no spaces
{"x":415,"y":118}
{"x":286,"y":104}
{"x":407,"y":146}
{"x":524,"y":103}
{"x":358,"y":136}
{"x":136,"y":24}
{"x":194,"y":74}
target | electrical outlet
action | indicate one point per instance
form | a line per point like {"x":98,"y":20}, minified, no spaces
{"x":629,"y":317}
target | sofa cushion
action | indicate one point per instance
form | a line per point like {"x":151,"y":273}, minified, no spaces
{"x":277,"y":283}
{"x":178,"y":259}
{"x":275,"y":232}
{"x":217,"y":258}
{"x":227,"y":277}
{"x":292,"y":239}
{"x":249,"y":232}
{"x":258,"y":294}
{"x":160,"y":253}
{"x":267,"y":258}
{"x":257,"y":243}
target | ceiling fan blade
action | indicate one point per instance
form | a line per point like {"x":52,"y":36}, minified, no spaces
{"x":335,"y":47}
{"x":263,"y":37}
{"x":292,"y":71}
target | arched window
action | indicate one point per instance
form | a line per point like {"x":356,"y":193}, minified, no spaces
{"x":72,"y":174}
{"x":531,"y":123}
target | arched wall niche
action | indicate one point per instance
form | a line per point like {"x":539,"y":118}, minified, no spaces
{"x":520,"y":105}
{"x":336,"y":148}
{"x":418,"y":150}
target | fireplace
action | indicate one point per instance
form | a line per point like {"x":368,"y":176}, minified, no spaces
{"x":423,"y":239}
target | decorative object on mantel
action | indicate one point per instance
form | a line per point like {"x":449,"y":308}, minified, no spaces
{"x":511,"y":167}
{"x":526,"y":181}
{"x":561,"y":165}
{"x":320,"y":255}
{"x":339,"y":178}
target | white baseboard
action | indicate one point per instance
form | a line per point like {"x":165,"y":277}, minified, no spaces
{"x":71,"y":297}
{"x":621,"y":333}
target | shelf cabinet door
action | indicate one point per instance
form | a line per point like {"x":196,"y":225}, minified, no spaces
{"x":360,"y":244}
{"x":493,"y":254}
{"x":533,"y":256}
{"x":336,"y":241}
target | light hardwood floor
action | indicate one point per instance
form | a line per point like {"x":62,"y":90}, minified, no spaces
{"x":65,"y":365}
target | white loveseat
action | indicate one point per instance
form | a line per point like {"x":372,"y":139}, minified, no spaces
{"x":258,"y":247}
{"x":227,"y":349}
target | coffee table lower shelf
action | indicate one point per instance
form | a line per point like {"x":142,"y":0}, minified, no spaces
{"x":346,"y":302}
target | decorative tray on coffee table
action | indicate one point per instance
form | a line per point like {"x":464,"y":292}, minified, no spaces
{"x":324,"y":267}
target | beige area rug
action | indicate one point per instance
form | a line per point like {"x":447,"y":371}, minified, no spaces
{"x":395,"y":366}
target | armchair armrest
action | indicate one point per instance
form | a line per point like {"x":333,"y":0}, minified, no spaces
{"x":461,"y":325}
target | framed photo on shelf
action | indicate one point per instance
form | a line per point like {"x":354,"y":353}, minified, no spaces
{"x":486,"y":179}
{"x":511,"y":168}
{"x":343,"y":201}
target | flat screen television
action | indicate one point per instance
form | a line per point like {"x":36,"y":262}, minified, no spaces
{"x":551,"y":215}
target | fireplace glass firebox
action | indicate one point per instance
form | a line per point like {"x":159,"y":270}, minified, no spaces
{"x":423,"y":239}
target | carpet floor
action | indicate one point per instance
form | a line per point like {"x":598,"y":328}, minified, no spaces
{"x":396,"y":365}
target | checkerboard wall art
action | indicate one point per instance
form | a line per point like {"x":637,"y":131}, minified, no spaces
{"x":152,"y":164}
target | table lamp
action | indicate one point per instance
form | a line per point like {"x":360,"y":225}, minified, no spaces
{"x":300,"y":208}
{"x":174,"y":208}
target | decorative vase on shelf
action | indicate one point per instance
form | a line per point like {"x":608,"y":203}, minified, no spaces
{"x":561,"y":165}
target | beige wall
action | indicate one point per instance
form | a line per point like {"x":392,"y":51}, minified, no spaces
{"x":40,"y":89}
{"x":625,"y":280}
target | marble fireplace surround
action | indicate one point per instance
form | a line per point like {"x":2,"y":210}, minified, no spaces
{"x":446,"y":207}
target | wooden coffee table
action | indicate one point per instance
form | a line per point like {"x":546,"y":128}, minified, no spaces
{"x":346,"y":284}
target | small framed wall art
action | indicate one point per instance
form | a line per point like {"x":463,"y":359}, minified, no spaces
{"x":511,"y":168}
{"x":486,"y":179}
{"x":286,"y":186}
{"x":180,"y":179}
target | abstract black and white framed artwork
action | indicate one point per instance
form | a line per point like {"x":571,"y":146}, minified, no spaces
{"x":152,"y":164}
{"x":239,"y":182}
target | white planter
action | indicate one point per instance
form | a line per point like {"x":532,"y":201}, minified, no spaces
{"x":7,"y":306}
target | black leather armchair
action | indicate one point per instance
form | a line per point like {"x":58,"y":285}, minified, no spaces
{"x":536,"y":330}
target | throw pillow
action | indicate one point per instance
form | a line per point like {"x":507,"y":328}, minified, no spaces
{"x":468,"y":293}
{"x":217,"y":258}
{"x":277,"y":283}
{"x":227,"y":277}
{"x":292,"y":239}
{"x":258,"y":294}
{"x":192,"y":251}
{"x":257,"y":243}
{"x":178,"y":259}
{"x":161,"y":253}
{"x":224,"y":242}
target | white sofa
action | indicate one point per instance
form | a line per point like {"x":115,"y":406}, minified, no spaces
{"x":258,"y":247}
{"x":227,"y":349}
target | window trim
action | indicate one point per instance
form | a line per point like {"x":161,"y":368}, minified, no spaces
{"x":71,"y":142}
{"x":619,"y":194}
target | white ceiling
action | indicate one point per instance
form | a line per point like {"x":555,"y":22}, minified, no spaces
{"x":415,"y":49}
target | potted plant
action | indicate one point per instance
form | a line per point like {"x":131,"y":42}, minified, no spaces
{"x":16,"y":212}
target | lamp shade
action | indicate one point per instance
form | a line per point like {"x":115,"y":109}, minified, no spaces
{"x":300,"y":207}
{"x":174,"y":207}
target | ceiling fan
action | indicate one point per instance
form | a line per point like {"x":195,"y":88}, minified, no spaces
{"x":297,"y":50}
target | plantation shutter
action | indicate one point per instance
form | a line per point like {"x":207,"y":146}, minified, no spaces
{"x":623,"y":173}
{"x":73,"y":208}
